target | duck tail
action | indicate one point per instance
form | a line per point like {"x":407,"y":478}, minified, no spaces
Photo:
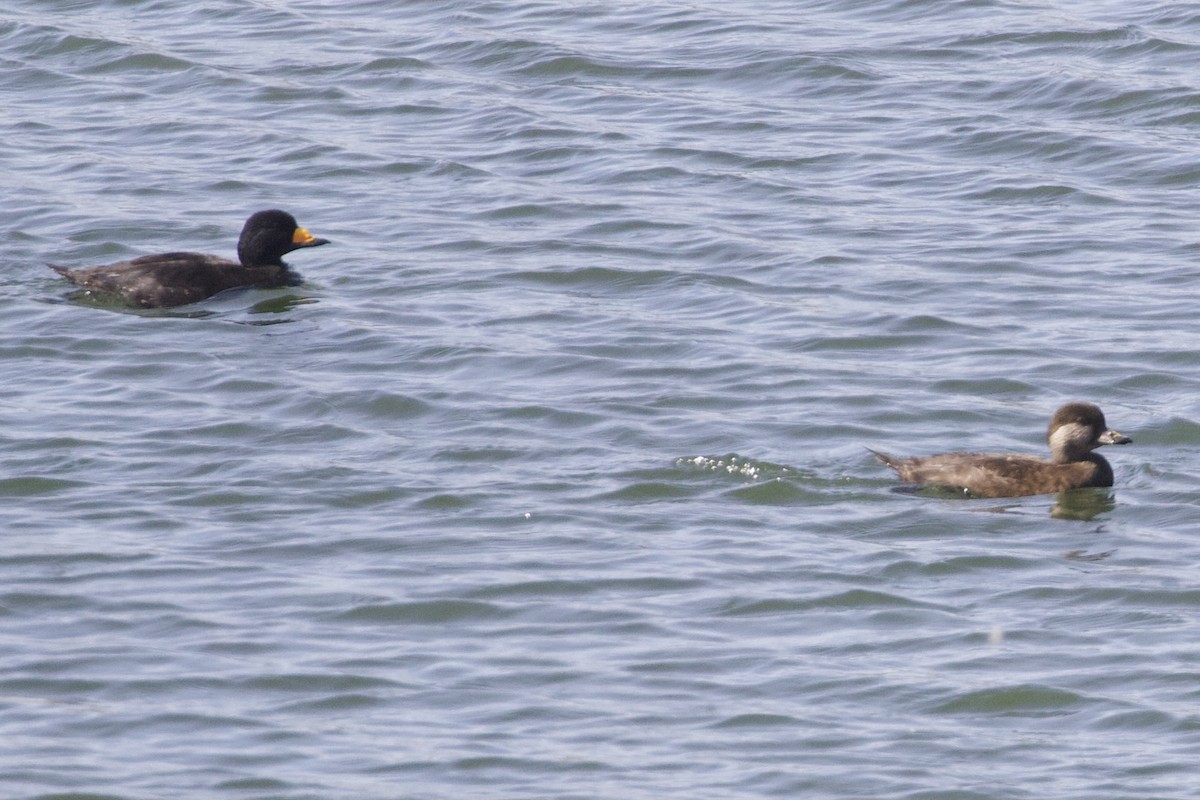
{"x":891,"y":461}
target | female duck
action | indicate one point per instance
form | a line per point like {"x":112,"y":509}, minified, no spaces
{"x":175,"y":279}
{"x":1075,"y":431}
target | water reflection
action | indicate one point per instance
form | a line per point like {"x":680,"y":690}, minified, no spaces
{"x":1082,"y":504}
{"x":280,"y":304}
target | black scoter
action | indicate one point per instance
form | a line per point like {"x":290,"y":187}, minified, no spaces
{"x":175,"y":279}
{"x":1075,"y":431}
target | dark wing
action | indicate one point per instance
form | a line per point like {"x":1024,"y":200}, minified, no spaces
{"x":171,"y":279}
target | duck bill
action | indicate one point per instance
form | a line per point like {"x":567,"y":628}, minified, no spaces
{"x":302,"y":238}
{"x":1114,"y":437}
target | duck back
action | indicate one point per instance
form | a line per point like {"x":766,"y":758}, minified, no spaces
{"x":1001,"y":475}
{"x":174,"y":279}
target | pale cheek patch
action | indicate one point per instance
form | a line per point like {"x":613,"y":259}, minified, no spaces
{"x":1071,"y":437}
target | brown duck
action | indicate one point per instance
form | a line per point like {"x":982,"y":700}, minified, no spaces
{"x":175,"y":279}
{"x":1075,"y":431}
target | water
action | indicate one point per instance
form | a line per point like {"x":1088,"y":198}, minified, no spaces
{"x":551,"y":481}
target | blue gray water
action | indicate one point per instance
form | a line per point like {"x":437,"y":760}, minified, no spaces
{"x":550,"y":482}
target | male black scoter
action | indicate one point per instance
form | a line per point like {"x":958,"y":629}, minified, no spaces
{"x":175,"y":279}
{"x":1075,"y":431}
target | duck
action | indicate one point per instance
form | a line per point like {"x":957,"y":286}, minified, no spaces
{"x":1075,"y":431}
{"x":165,"y":280}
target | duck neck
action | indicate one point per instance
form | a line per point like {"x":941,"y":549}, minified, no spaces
{"x":1103,"y":476}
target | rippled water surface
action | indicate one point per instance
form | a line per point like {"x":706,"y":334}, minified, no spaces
{"x":550,"y":482}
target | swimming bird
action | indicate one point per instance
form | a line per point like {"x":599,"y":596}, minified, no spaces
{"x":1075,"y":431}
{"x":175,"y":279}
